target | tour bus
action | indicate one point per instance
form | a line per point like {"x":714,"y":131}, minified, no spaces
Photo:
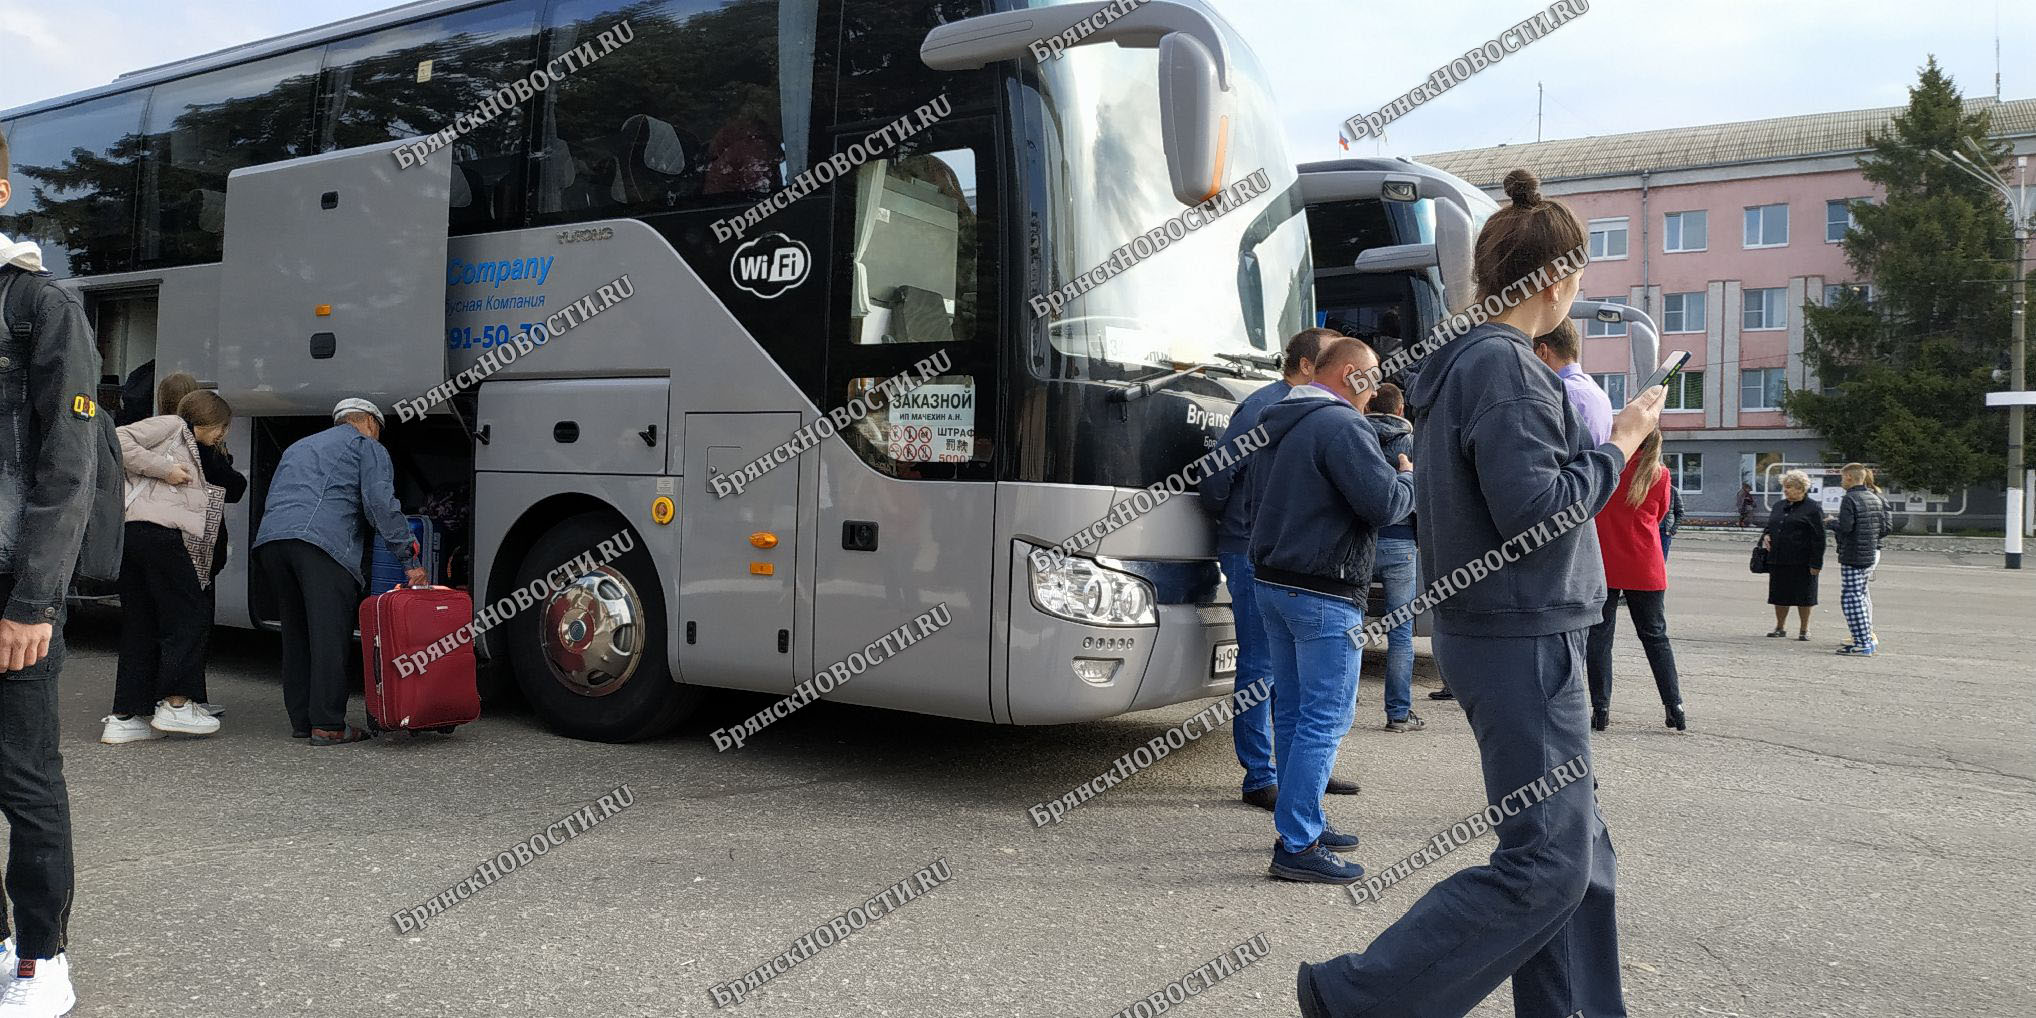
{"x":263,"y":218}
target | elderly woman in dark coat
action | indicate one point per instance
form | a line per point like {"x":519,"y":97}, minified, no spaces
{"x":1794,"y":540}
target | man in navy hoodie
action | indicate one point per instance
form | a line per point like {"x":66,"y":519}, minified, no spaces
{"x":1323,"y":488}
{"x":1226,"y":495}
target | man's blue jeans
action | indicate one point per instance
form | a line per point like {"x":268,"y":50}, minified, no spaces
{"x":1314,"y":668}
{"x":1541,"y":911}
{"x":1251,"y":730}
{"x":1396,"y":569}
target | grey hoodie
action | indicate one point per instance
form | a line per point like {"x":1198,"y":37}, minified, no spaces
{"x":1498,"y":449}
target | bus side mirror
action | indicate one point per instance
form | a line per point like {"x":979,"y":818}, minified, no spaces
{"x":1396,"y":258}
{"x":1194,"y":119}
{"x":1196,"y":101}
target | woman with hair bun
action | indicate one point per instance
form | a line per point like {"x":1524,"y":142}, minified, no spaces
{"x":1509,"y":474}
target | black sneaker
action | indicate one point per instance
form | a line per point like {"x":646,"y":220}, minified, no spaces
{"x":1338,"y":786}
{"x":1442,"y":694}
{"x":1336,"y":841}
{"x":1411,"y":723}
{"x":1264,"y":798}
{"x":1313,"y":865}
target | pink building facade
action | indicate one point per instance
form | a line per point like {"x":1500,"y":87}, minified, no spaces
{"x":1722,"y":234}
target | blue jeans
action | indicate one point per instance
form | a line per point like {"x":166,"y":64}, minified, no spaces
{"x":1541,"y":911}
{"x":1396,"y":569}
{"x":1251,"y":730}
{"x":1314,"y":668}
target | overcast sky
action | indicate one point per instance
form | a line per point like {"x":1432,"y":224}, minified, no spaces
{"x":1626,"y":65}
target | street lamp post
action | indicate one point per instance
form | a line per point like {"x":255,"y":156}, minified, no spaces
{"x":2021,"y":215}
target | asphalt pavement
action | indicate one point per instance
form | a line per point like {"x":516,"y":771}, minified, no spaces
{"x":1832,"y":837}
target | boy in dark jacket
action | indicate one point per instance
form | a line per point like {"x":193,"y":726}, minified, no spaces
{"x":1226,"y":495}
{"x":1395,"y":566}
{"x":1864,"y":521}
{"x":48,"y":479}
{"x":1323,"y":487}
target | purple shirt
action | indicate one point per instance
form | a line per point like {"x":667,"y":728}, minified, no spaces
{"x":1590,"y":401}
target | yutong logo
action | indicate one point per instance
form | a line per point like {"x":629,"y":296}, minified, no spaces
{"x":1207,"y":418}
{"x":769,"y":265}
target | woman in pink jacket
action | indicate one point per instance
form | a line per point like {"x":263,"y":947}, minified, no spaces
{"x":173,"y":520}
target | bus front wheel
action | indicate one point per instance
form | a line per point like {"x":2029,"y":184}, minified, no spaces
{"x":591,"y":655}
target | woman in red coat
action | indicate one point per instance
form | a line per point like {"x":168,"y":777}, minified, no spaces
{"x":1629,"y":537}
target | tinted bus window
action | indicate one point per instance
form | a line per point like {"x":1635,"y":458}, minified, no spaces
{"x":416,"y":79}
{"x":73,"y":174}
{"x":698,"y":108}
{"x":202,"y":128}
{"x":1340,"y":231}
{"x":882,"y":77}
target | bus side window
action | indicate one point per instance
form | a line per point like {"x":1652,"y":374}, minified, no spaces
{"x":416,"y":79}
{"x":915,"y":248}
{"x":696,"y":108}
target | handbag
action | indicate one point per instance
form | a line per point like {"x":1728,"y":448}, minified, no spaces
{"x":1758,"y":563}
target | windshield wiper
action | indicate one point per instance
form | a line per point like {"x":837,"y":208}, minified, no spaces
{"x":1140,"y":390}
{"x":1256,"y":360}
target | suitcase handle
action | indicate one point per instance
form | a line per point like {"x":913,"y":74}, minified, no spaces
{"x":418,"y":586}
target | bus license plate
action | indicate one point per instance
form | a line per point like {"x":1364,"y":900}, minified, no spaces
{"x":1224,"y":662}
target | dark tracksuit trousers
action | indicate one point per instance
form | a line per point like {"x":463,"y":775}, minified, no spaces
{"x":1540,"y":912}
{"x":317,"y":601}
{"x":37,"y":909}
{"x":164,"y":621}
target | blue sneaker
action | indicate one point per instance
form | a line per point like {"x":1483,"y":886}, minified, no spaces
{"x":1857,"y":650}
{"x":1336,"y":841}
{"x":1314,"y":865}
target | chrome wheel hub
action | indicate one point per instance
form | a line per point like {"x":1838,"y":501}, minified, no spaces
{"x":593,"y":631}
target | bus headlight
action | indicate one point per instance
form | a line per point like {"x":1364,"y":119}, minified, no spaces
{"x":1079,"y":590}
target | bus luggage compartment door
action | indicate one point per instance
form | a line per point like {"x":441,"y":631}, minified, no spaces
{"x":575,"y":426}
{"x":738,"y":556}
{"x":333,"y":280}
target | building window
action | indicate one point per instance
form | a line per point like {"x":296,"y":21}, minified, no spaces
{"x":1608,"y":239}
{"x":1835,"y":292}
{"x":1767,"y":226}
{"x":1838,"y":218}
{"x":1766,"y":309}
{"x":1682,"y":312}
{"x":1594,"y":328}
{"x":1614,"y":384}
{"x":1685,"y":231}
{"x":1761,"y":388}
{"x":1685,"y":391}
{"x":1685,"y":471}
{"x":1753,"y":470}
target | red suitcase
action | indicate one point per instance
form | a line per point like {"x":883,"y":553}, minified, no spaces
{"x":425,"y":689}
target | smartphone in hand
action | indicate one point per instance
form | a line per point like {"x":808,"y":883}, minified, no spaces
{"x":1669,"y":366}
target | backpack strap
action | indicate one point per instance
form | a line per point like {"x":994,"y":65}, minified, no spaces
{"x":16,"y":307}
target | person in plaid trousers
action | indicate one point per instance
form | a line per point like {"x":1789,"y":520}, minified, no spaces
{"x":1864,"y":520}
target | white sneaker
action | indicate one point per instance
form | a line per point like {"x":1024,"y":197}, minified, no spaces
{"x":42,"y":992}
{"x":187,"y":719}
{"x":118,"y":730}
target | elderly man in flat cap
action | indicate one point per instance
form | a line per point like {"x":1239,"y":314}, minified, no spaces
{"x":329,"y":492}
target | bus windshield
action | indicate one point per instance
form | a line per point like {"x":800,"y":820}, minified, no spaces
{"x":1240,"y":284}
